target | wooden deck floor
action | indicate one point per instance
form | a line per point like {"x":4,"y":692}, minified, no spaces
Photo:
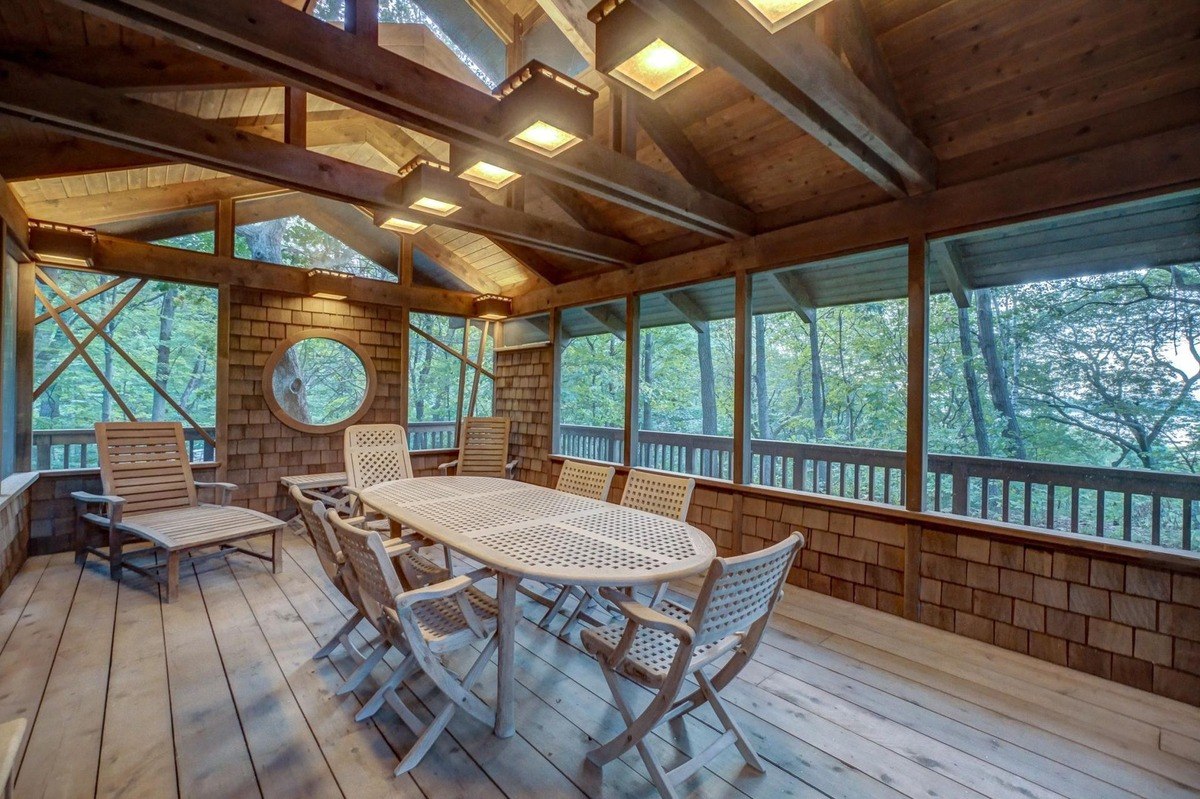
{"x":216,"y":696}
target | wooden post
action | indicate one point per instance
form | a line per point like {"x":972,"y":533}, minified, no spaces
{"x":556,"y":341}
{"x":295,"y":116}
{"x":916,"y":451}
{"x":24,"y":356}
{"x":224,"y":309}
{"x":623,"y":118}
{"x":405,"y":343}
{"x":362,"y":19}
{"x":405,"y":269}
{"x":633,"y":348}
{"x":514,"y":60}
{"x":743,"y":317}
{"x":225,"y":222}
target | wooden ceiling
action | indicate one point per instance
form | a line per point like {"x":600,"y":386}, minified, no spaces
{"x":987,"y":87}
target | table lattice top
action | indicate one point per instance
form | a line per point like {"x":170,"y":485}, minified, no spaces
{"x":545,"y":534}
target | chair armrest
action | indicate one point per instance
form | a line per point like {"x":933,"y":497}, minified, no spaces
{"x":441,"y":590}
{"x":115,"y":504}
{"x":395,"y":547}
{"x":224,"y":490}
{"x":643,"y":616}
{"x":444,"y":467}
{"x":511,"y":466}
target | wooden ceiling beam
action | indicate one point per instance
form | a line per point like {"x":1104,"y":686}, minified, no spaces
{"x":795,"y":294}
{"x":497,"y":17}
{"x":570,"y":16}
{"x":948,"y":257}
{"x":802,"y":79}
{"x":455,"y":264}
{"x":844,"y":28}
{"x":669,"y":137}
{"x":1155,"y":164}
{"x":693,"y":313}
{"x":163,"y":69}
{"x":108,"y":117}
{"x":605,"y":316}
{"x":298,"y":50}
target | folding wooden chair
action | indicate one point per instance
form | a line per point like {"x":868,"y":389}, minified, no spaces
{"x":423,"y":624}
{"x":483,"y":448}
{"x":660,"y":494}
{"x":660,"y":647}
{"x":149,"y":494}
{"x":584,"y":480}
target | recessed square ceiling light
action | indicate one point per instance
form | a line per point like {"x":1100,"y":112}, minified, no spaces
{"x":775,"y":15}
{"x":401,"y":225}
{"x":427,"y":185}
{"x":656,"y":69}
{"x":488,"y":174}
{"x":544,"y":138}
{"x":544,"y":110}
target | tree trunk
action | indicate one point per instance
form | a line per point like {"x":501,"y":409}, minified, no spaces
{"x":978,"y":423}
{"x":647,"y":378}
{"x":162,"y":367}
{"x":265,"y":240}
{"x":998,"y":384}
{"x":290,"y":390}
{"x":818,"y":379}
{"x":760,"y":377}
{"x":708,"y":391}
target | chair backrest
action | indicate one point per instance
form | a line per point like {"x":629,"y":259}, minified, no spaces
{"x":375,"y":577}
{"x":147,"y":464}
{"x":742,"y":590}
{"x":483,"y":446}
{"x":312,"y":513}
{"x":663,"y":494}
{"x":376,"y":453}
{"x":585,"y":479}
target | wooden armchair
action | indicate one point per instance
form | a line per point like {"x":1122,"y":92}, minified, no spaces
{"x":149,"y":494}
{"x":659,"y":647}
{"x":483,"y":449}
{"x":374,"y":453}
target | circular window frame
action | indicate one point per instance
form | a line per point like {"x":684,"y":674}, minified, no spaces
{"x":276,"y":356}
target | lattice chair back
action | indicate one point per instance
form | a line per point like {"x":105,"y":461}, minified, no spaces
{"x":742,"y":590}
{"x":312,"y":513}
{"x":376,"y":578}
{"x":483,"y":446}
{"x":663,"y":494}
{"x":147,"y":464}
{"x":585,"y":479}
{"x":376,"y":453}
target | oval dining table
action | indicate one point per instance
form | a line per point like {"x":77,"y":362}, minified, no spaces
{"x":527,"y":532}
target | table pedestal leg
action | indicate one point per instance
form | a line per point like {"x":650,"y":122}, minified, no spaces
{"x":506,"y":598}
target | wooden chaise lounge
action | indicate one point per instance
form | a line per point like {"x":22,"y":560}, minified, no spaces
{"x":149,"y":494}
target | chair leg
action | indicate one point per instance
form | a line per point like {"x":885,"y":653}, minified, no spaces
{"x":563,"y":595}
{"x":277,"y":551}
{"x":364,"y":669}
{"x":328,"y":648}
{"x":660,"y":593}
{"x":114,"y":554}
{"x":637,"y":727}
{"x":172,"y":576}
{"x":373,"y":705}
{"x":727,"y":720}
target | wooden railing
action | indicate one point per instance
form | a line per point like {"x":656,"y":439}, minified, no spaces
{"x":431,"y":435}
{"x":76,"y":449}
{"x":1135,"y":505}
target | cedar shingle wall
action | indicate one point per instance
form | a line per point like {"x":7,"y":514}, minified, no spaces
{"x":14,"y":537}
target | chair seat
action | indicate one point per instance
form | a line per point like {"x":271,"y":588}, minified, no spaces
{"x":199,"y":525}
{"x":649,"y":659}
{"x":443,"y":625}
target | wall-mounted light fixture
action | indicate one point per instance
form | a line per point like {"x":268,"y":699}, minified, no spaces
{"x":633,"y":48}
{"x":493,"y":307}
{"x":61,"y":245}
{"x":485,"y":169}
{"x":543,"y":110}
{"x":325,"y":284}
{"x":427,"y":185}
{"x":775,"y":15}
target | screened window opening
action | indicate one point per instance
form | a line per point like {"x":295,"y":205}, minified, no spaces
{"x":592,"y":382}
{"x":1064,"y":377}
{"x":314,"y":233}
{"x":118,"y":349}
{"x":828,"y":377}
{"x":451,"y":376}
{"x":685,"y":380}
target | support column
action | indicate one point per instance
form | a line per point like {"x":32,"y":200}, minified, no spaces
{"x":633,"y":350}
{"x":740,"y":469}
{"x":917,"y":439}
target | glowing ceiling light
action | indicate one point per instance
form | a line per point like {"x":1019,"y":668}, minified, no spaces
{"x":775,"y":15}
{"x":489,"y":175}
{"x":434,"y":206}
{"x":656,"y":69}
{"x":427,"y":185}
{"x":399,"y":224}
{"x":545,"y":138}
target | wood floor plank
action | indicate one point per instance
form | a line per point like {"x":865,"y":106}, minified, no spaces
{"x":63,"y":754}
{"x":16,"y":596}
{"x":28,"y":656}
{"x":287,"y":759}
{"x":212,"y":755}
{"x":137,"y":751}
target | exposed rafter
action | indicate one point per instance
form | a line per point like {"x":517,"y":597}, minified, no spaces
{"x":677,"y":147}
{"x":845,"y":29}
{"x":796,"y":294}
{"x":607,"y":317}
{"x":803,"y":80}
{"x":946,"y":255}
{"x":162,"y":69}
{"x":571,"y":18}
{"x":112,"y":118}
{"x":686,"y":305}
{"x":301,"y":51}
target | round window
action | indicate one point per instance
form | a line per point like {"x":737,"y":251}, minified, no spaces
{"x":319,"y":381}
